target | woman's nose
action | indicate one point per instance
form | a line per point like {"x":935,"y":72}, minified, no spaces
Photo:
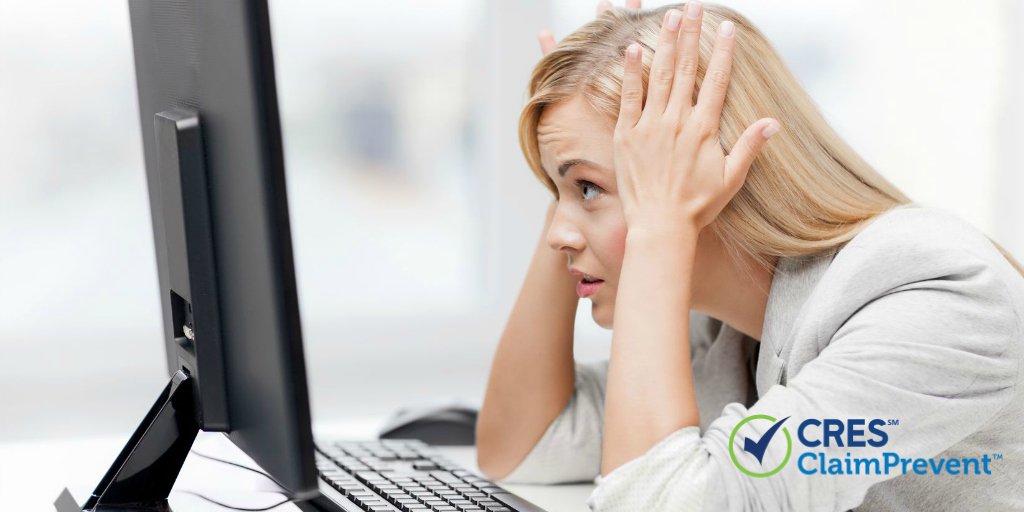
{"x":563,"y":235}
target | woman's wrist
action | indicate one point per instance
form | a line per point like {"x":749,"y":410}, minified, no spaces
{"x":662,"y":230}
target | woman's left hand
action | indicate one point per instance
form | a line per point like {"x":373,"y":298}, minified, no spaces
{"x":670,"y":165}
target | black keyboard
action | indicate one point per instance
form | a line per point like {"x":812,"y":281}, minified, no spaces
{"x":408,"y":475}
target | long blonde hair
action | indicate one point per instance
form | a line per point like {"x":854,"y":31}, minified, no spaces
{"x":806,"y":192}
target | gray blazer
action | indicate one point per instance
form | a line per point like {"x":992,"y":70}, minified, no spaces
{"x":917,"y":322}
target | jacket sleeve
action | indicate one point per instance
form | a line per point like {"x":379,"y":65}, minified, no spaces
{"x":939,"y":355}
{"x":570,"y":448}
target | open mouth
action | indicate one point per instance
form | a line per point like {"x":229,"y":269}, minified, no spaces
{"x":588,"y":286}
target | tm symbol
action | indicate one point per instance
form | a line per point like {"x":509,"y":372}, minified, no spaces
{"x":997,"y":456}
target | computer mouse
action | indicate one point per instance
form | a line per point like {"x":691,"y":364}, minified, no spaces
{"x":442,"y":423}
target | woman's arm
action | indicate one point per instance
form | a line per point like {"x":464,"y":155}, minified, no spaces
{"x":650,"y":383}
{"x":532,"y":374}
{"x":673,"y":179}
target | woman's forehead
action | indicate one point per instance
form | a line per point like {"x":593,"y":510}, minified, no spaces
{"x":568,"y":117}
{"x":572,"y":126}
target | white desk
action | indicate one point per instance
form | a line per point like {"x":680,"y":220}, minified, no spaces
{"x":32,"y":473}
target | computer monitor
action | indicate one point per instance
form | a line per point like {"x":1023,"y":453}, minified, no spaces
{"x":215,"y":173}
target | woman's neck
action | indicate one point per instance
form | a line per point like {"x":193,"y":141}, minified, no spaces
{"x":738,"y":294}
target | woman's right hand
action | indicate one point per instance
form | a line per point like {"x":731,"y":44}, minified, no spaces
{"x":547,"y":39}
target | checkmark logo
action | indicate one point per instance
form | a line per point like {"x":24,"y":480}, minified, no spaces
{"x":758,"y":445}
{"x":757,"y":448}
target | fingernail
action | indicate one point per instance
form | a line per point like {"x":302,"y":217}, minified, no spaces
{"x":633,"y":51}
{"x":693,"y":9}
{"x":726,"y":28}
{"x":770,"y":130}
{"x":673,"y":18}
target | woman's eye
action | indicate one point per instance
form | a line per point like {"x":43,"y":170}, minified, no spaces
{"x":586,"y":186}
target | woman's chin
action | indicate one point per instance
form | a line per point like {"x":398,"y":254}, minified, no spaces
{"x":601,"y":317}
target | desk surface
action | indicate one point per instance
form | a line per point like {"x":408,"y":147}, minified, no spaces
{"x":32,"y":473}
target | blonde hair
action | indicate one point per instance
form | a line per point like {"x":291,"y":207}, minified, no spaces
{"x":806,"y":192}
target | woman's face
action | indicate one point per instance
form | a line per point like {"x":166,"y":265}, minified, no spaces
{"x":588,"y":225}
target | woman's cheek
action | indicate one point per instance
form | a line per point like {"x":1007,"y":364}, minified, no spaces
{"x":618,"y":247}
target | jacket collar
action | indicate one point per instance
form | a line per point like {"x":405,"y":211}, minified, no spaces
{"x":792,"y":282}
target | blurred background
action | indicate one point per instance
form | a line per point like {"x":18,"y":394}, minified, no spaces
{"x":413,"y":212}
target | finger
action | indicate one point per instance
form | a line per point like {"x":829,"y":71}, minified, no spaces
{"x":632,"y":88}
{"x":746,"y":150}
{"x":688,"y":56}
{"x":633,"y":4}
{"x":663,"y":67}
{"x":603,"y":6}
{"x":716,"y":78}
{"x":547,"y":41}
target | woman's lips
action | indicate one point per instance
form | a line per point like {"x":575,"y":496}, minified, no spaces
{"x":585,"y":289}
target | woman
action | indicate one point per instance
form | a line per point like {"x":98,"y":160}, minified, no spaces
{"x":754,"y":287}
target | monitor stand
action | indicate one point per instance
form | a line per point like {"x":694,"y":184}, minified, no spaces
{"x":143,"y":474}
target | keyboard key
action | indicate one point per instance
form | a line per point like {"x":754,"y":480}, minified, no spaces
{"x":370,"y":476}
{"x":367,"y":503}
{"x":445,"y":477}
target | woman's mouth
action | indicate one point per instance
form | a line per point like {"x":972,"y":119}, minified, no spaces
{"x":588,"y":286}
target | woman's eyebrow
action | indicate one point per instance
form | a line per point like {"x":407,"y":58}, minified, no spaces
{"x":564,"y":167}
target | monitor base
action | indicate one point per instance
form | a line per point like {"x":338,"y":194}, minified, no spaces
{"x":142,"y":475}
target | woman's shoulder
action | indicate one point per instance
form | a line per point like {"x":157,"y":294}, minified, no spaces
{"x":928,"y":249}
{"x":922,"y":273}
{"x":915,"y":239}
